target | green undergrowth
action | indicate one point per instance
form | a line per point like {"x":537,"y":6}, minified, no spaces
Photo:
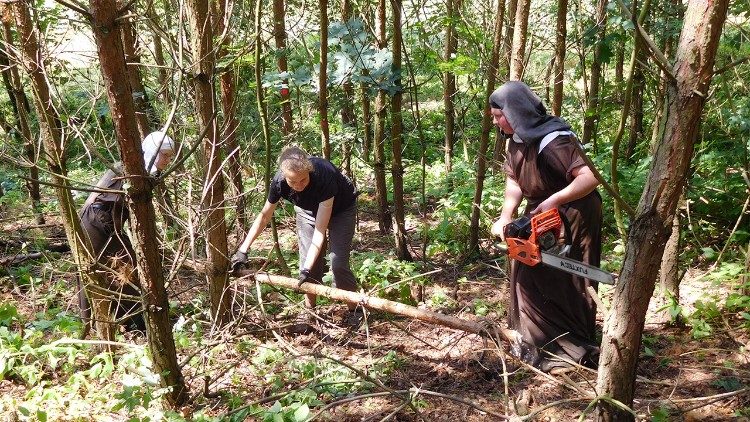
{"x":54,"y":376}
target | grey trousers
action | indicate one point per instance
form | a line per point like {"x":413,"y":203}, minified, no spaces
{"x":339,"y":239}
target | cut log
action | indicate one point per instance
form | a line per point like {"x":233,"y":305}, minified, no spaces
{"x":370,"y":302}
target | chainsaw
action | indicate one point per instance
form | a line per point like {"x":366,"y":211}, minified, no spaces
{"x":535,"y":239}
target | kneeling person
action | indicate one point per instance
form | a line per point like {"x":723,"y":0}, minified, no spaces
{"x":103,"y":217}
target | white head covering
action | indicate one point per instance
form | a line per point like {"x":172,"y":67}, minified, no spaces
{"x":152,"y":144}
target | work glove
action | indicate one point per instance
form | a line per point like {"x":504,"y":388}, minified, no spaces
{"x":304,"y":276}
{"x":238,"y":260}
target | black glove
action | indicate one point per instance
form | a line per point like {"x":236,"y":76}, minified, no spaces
{"x":304,"y":276}
{"x":238,"y":260}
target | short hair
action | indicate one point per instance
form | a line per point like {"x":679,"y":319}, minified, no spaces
{"x":153,"y":144}
{"x":295,"y":159}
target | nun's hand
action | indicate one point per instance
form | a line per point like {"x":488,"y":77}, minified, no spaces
{"x":546,"y":205}
{"x":498,"y":228}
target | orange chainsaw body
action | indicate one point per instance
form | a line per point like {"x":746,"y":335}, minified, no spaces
{"x":527,"y":250}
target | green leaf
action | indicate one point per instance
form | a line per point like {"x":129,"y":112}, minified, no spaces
{"x":709,"y":253}
{"x":8,"y":314}
{"x":276,"y":408}
{"x":660,"y":415}
{"x":302,"y":413}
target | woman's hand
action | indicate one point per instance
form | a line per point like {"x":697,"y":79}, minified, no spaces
{"x":546,"y":205}
{"x":513,"y":197}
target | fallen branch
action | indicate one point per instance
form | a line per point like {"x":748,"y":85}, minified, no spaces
{"x":16,"y":259}
{"x":370,"y":302}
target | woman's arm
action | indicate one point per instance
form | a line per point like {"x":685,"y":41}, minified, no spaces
{"x":584,"y":182}
{"x":513,"y":198}
{"x":322,"y":218}
{"x":260,"y":223}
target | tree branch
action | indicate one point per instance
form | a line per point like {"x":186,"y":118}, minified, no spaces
{"x":737,"y":62}
{"x":55,"y":185}
{"x":659,"y":57}
{"x":74,"y":5}
{"x":615,"y":195}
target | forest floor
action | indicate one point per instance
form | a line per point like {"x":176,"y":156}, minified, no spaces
{"x":452,"y":375}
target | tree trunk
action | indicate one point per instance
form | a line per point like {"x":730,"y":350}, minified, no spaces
{"x":348,"y":116}
{"x":231,"y":123}
{"x":260,"y":102}
{"x":143,"y":110}
{"x":498,"y":154}
{"x":20,"y":104}
{"x":487,"y":126}
{"x":651,"y":226}
{"x":519,"y":40}
{"x":669,"y":273}
{"x":367,"y":132}
{"x":54,"y":154}
{"x":397,"y":169}
{"x":619,"y":69}
{"x":661,"y":90}
{"x":384,"y":214}
{"x":510,"y":8}
{"x":626,"y":104}
{"x":592,"y":106}
{"x":162,"y":75}
{"x":745,"y":277}
{"x":279,"y":35}
{"x":213,"y":190}
{"x":560,"y":47}
{"x":106,"y":28}
{"x":323,"y":81}
{"x":367,"y":129}
{"x":449,"y":83}
{"x":636,"y":112}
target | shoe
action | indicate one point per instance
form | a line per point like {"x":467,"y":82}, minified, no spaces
{"x":524,"y":351}
{"x":555,"y":366}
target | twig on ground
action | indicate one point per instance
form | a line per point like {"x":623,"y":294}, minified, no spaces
{"x":409,"y":333}
{"x":416,"y":392}
{"x":541,"y":409}
{"x":93,"y":342}
{"x":714,"y":399}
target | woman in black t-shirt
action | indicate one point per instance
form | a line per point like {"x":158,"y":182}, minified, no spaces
{"x":325,"y":201}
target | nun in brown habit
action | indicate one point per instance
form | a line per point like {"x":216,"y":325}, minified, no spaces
{"x":551,"y":309}
{"x":103,"y":217}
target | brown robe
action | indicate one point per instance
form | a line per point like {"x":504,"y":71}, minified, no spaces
{"x":103,"y":217}
{"x":550,"y":308}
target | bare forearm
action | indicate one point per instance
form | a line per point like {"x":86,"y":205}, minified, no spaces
{"x":581,"y":186}
{"x":259,"y":224}
{"x":314,"y":250}
{"x":325,"y":209}
{"x":513,"y":197}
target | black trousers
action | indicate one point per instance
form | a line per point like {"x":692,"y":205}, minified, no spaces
{"x":116,"y":264}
